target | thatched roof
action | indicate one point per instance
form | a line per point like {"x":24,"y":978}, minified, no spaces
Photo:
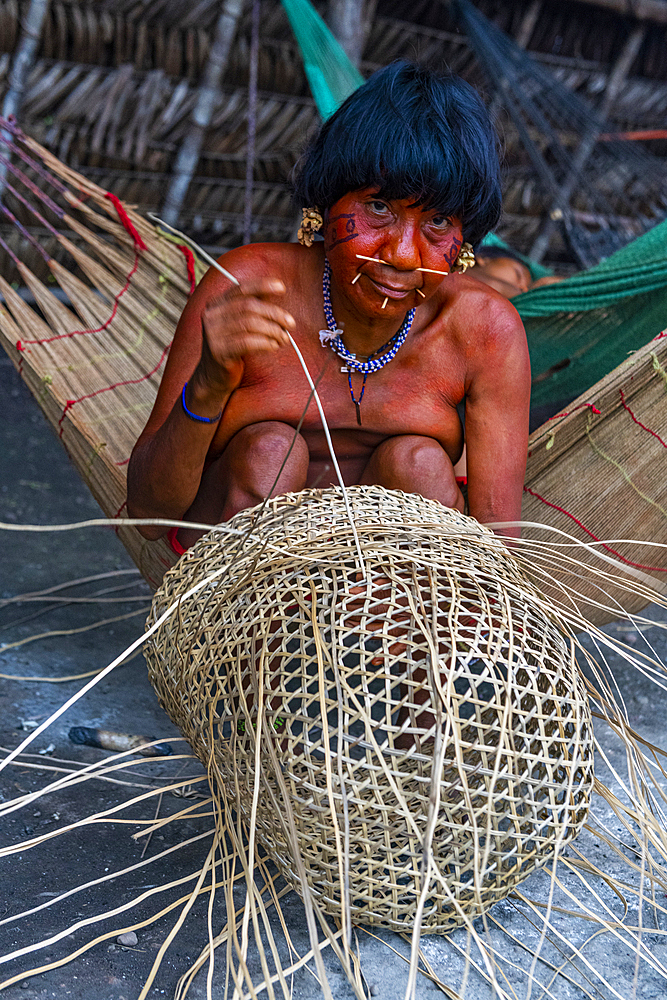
{"x":115,"y":83}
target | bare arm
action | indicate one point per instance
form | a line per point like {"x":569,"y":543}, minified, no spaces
{"x":497,"y":407}
{"x":220,"y":325}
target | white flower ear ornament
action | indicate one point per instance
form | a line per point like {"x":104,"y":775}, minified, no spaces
{"x":465,"y":259}
{"x":311,"y":223}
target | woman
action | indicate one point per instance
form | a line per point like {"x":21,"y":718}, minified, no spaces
{"x":402,"y":175}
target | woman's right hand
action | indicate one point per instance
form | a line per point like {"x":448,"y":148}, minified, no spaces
{"x":242,"y":321}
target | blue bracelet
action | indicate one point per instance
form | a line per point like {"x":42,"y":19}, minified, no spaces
{"x":194,"y":416}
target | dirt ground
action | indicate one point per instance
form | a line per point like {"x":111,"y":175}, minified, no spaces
{"x":38,"y":486}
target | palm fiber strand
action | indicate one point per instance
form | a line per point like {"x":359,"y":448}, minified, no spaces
{"x":418,"y":794}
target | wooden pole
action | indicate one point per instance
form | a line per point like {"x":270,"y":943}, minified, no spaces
{"x":640,"y":10}
{"x":350,"y":22}
{"x":252,"y":122}
{"x":207,"y":98}
{"x":24,"y":56}
{"x":24,"y":60}
{"x":524,"y":34}
{"x":528,"y":22}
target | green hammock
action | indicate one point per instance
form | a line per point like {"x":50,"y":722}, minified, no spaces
{"x":331,"y":75}
{"x":636,"y":269}
{"x":579,"y":329}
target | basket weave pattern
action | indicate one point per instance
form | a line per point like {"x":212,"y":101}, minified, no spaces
{"x":329,"y":667}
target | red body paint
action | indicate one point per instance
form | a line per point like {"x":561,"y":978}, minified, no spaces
{"x":466,"y":341}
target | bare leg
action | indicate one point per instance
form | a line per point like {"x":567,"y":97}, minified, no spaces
{"x":245,"y":474}
{"x":414,"y":464}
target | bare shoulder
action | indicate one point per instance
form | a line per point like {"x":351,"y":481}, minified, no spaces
{"x":256,"y":260}
{"x":487,"y":312}
{"x":483,"y":318}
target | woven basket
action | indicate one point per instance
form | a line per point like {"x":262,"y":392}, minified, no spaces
{"x":294,"y":667}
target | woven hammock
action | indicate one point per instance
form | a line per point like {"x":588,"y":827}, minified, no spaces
{"x":94,"y":364}
{"x":580,"y":328}
{"x":315,"y":696}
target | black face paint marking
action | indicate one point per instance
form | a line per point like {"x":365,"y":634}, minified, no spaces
{"x":339,"y":231}
{"x":453,"y":252}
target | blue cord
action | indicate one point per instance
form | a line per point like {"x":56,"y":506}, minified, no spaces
{"x":195,"y":416}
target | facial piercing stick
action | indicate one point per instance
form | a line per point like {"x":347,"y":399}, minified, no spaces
{"x":418,"y":290}
{"x":356,"y":278}
{"x":428,"y":270}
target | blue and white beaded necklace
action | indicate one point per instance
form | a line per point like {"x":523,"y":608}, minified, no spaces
{"x":333,"y":337}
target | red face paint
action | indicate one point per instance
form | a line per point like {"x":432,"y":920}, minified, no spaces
{"x":402,"y":237}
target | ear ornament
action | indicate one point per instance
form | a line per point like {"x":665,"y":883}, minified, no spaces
{"x":311,"y":223}
{"x":465,"y":259}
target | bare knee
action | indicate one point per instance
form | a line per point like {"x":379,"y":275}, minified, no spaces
{"x":413,"y":454}
{"x":416,"y":464}
{"x":261,"y":461}
{"x":266,"y":445}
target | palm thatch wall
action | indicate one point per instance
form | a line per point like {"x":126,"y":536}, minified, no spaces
{"x":115,"y":82}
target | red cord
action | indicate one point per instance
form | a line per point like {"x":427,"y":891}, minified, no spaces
{"x":566,"y":413}
{"x":654,"y":569}
{"x":638,"y":422}
{"x":116,"y":385}
{"x":126,"y":220}
{"x":190,"y":260}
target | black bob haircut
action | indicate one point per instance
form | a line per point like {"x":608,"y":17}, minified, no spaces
{"x":409,"y":132}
